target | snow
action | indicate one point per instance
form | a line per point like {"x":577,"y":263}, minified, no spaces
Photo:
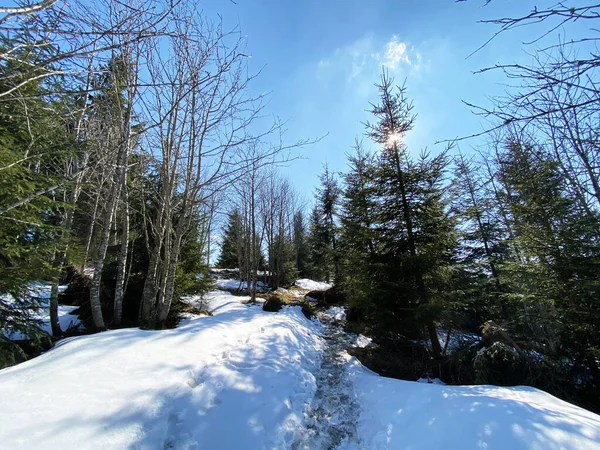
{"x":219,"y":271}
{"x":246,"y":378}
{"x":398,"y":414}
{"x":336,"y":312}
{"x":430,"y":381}
{"x":65,"y":317}
{"x":362,"y":341}
{"x":311,"y":285}
{"x":234,"y":285}
{"x":239,"y":379}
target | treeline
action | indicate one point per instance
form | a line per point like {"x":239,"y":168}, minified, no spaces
{"x":503,"y":242}
{"x":269,"y":236}
{"x":476,"y":268}
{"x":121,"y":123}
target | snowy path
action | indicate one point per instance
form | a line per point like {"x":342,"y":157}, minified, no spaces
{"x":332,"y":417}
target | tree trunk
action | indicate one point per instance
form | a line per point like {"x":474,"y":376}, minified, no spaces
{"x":166,"y":297}
{"x":122,"y":261}
{"x":54,"y":322}
{"x":114,"y":194}
{"x":253,"y":240}
{"x":98,"y":264}
{"x":90,"y":231}
{"x":147,"y":315}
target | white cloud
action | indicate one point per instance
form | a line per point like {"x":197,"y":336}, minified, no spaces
{"x":363,"y":58}
{"x":397,"y":53}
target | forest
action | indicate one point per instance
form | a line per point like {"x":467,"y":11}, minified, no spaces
{"x":131,"y":146}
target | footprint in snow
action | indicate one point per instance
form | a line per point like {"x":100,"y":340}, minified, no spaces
{"x":177,"y":438}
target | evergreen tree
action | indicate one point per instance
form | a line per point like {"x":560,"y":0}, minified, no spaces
{"x":284,"y":268}
{"x":556,"y":280}
{"x":35,"y":142}
{"x":323,"y":229}
{"x":301,"y":249}
{"x":231,"y":247}
{"x":236,"y":245}
{"x":416,"y":235}
{"x":359,"y":237}
{"x":483,"y":246}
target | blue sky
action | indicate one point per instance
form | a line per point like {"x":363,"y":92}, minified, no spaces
{"x":321,"y":58}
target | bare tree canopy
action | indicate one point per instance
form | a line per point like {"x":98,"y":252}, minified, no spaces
{"x":563,"y":76}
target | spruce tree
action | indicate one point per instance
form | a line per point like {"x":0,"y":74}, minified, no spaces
{"x":231,"y":246}
{"x":301,"y":249}
{"x":416,"y":235}
{"x":557,"y":277}
{"x":483,"y":246}
{"x":35,"y":142}
{"x":324,"y":229}
{"x":359,"y":237}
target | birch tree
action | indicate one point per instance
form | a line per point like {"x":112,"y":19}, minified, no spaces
{"x":199,"y":110}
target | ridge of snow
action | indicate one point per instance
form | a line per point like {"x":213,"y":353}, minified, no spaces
{"x":239,"y":379}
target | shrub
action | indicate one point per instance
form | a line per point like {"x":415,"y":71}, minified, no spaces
{"x":500,"y":364}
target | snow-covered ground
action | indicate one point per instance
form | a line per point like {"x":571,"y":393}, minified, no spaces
{"x":249,"y":379}
{"x":311,"y":285}
{"x":398,"y":414}
{"x":65,"y":318}
{"x":234,"y":285}
{"x":238,"y":380}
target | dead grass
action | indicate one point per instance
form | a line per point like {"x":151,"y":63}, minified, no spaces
{"x":192,"y":309}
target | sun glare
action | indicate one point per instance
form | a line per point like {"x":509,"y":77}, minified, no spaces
{"x":394,"y":139}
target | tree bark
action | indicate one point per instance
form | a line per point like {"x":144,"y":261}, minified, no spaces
{"x":54,"y":322}
{"x":147,"y":313}
{"x":122,"y":261}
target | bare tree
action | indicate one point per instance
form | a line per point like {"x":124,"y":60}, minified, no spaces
{"x":200,"y":113}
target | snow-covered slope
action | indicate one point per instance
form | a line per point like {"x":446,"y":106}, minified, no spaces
{"x":238,"y":380}
{"x":245,"y":379}
{"x":400,"y":414}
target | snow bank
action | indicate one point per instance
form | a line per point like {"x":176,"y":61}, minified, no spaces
{"x":218,"y":271}
{"x":363,"y":341}
{"x":430,"y":381}
{"x":400,"y":414}
{"x":311,"y":285}
{"x":239,"y":379}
